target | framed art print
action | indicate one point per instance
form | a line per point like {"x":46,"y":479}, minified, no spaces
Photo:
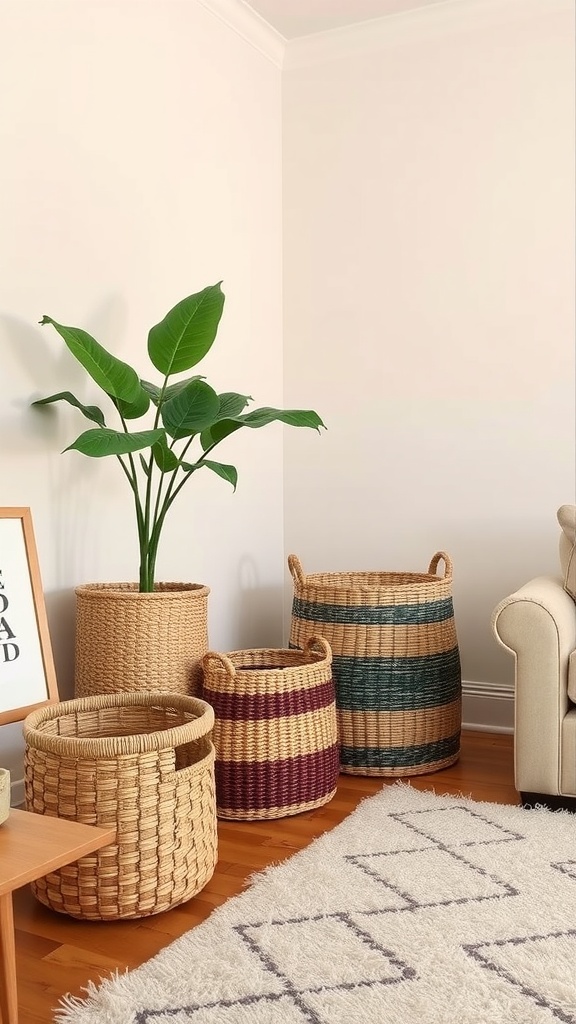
{"x":27,"y":676}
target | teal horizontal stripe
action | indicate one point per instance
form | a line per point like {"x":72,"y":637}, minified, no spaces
{"x":400,"y":757}
{"x":374,"y":615}
{"x":397,"y":684}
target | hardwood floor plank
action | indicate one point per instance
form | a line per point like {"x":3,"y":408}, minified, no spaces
{"x":57,"y":954}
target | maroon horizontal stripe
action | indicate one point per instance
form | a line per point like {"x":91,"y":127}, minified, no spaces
{"x":260,"y":785}
{"x":251,"y":707}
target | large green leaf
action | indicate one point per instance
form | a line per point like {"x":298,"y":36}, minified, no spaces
{"x":152,"y":390}
{"x":292,"y":417}
{"x":91,"y":412}
{"x":187,"y":331}
{"x":232,"y":404}
{"x":164,"y":457}
{"x":191,"y":410}
{"x":173,"y":389}
{"x":114,"y":377}
{"x":259,"y":418}
{"x":134,"y":410}
{"x":98,"y":443}
{"x":228,"y":473}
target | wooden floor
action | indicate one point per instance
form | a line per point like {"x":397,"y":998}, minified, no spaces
{"x":56,"y":954}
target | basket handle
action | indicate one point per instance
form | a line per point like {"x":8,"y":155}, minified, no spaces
{"x":223,"y":662}
{"x":295,"y":566}
{"x":439,"y":556}
{"x":318,"y":645}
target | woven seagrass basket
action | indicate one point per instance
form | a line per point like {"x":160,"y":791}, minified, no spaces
{"x":143,"y":763}
{"x":4,"y":794}
{"x":274,"y":730}
{"x":396,"y":664}
{"x":127,"y":641}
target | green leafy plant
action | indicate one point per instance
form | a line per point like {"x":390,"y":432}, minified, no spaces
{"x":189,"y":419}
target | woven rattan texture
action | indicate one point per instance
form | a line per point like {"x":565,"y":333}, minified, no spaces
{"x":396,"y":664}
{"x":4,"y":794}
{"x":275,"y":730}
{"x":129,"y":641}
{"x":143,"y":763}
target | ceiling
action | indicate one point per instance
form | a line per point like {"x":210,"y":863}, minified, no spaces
{"x":293,"y":18}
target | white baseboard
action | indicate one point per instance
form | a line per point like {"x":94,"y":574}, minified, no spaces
{"x":487,"y":707}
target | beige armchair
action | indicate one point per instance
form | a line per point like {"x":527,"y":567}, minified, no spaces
{"x":538,"y":625}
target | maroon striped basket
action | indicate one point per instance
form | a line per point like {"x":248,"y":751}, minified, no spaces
{"x":275,"y":730}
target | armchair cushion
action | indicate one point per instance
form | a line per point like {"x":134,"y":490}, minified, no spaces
{"x":567,"y":519}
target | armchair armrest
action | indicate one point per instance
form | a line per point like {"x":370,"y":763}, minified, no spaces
{"x":538,"y":625}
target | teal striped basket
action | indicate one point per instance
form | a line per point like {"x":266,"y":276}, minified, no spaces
{"x":396,"y":664}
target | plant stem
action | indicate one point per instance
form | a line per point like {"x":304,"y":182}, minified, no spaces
{"x":148,"y":551}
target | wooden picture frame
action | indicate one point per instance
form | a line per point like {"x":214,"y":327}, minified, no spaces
{"x":27,"y":674}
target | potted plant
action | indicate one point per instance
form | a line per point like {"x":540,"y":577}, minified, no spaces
{"x":120,"y":641}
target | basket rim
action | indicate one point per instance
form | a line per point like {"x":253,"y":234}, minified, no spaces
{"x":372,"y":579}
{"x":113,"y":746}
{"x":295,"y":659}
{"x":367,"y":580}
{"x":175,"y":591}
{"x":300,"y":657}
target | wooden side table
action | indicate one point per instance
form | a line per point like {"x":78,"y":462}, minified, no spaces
{"x":33,"y":845}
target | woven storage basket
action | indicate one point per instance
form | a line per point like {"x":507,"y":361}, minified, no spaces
{"x":396,"y":664}
{"x":275,"y":730}
{"x":4,"y":794}
{"x":143,"y":763}
{"x":129,"y":641}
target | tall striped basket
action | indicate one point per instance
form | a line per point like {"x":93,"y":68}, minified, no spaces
{"x":396,"y":664}
{"x":275,"y":730}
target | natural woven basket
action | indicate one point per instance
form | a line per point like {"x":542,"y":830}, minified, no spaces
{"x":275,"y":730}
{"x":127,"y":641}
{"x":143,"y":763}
{"x":396,"y":664}
{"x":4,"y":794}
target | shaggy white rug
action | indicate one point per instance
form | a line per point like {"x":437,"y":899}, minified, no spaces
{"x":417,"y":909}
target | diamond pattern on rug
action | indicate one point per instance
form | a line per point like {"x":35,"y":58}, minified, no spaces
{"x":535,"y":964}
{"x":436,"y":877}
{"x":301,"y":952}
{"x":567,"y":867}
{"x":297,"y":953}
{"x":448,"y":825}
{"x":262,"y":1010}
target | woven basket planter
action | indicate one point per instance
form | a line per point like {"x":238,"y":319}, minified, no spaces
{"x":396,"y":664}
{"x":275,"y":730}
{"x":127,"y":641}
{"x":143,"y":763}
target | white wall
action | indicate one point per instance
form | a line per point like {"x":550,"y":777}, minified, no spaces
{"x":141,"y":161}
{"x":429,"y":298}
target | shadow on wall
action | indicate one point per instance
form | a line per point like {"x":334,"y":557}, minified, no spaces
{"x":34,"y":368}
{"x":251,"y":616}
{"x":61,"y":614}
{"x":46,"y":366}
{"x":260,"y":618}
{"x":58,"y":487}
{"x":46,"y":358}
